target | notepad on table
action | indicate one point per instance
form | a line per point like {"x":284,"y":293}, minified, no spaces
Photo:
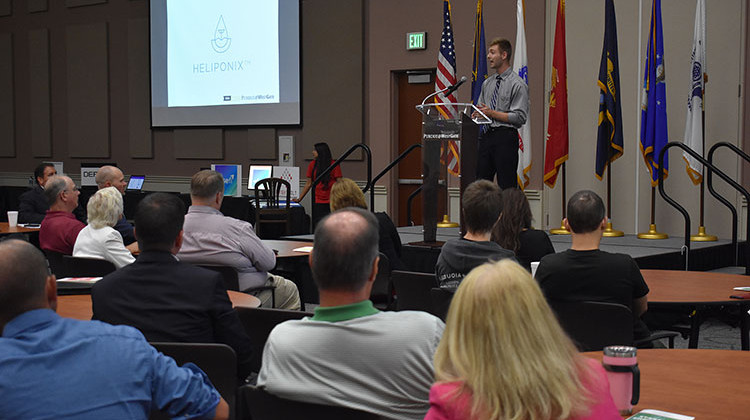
{"x":303,"y":249}
{"x":81,"y":280}
{"x":742,"y":289}
{"x":649,"y":414}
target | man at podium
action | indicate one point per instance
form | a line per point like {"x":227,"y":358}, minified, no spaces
{"x":505,"y":100}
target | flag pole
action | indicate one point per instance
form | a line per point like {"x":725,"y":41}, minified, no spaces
{"x":562,"y":230}
{"x":609,"y":232}
{"x":652,"y":232}
{"x":702,"y":236}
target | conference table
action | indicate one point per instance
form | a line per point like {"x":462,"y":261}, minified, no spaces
{"x":294,"y":265}
{"x":5,"y":229}
{"x":79,"y":306}
{"x":705,"y":384}
{"x":698,"y":290}
{"x":286,"y":249}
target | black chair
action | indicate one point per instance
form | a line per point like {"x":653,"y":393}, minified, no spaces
{"x":268,"y":207}
{"x":261,"y":405}
{"x":441,"y":301}
{"x":231,"y":281}
{"x":595,"y":325}
{"x":56,"y":263}
{"x":86,"y":267}
{"x":413,"y":290}
{"x":381,"y":294}
{"x":259,"y":322}
{"x":218,"y":361}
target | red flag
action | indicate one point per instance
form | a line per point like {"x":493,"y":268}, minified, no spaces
{"x":557,"y":126}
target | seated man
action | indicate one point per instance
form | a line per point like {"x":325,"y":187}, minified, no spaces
{"x":33,"y":205}
{"x":60,"y":227}
{"x":110,"y":176}
{"x":349,"y":353}
{"x":55,"y":367}
{"x":214,"y":239}
{"x":481,"y":205}
{"x":166,"y":299}
{"x":585,"y":273}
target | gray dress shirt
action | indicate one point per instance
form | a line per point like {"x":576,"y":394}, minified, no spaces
{"x":513,"y":97}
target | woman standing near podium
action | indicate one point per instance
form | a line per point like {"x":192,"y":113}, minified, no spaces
{"x":322,"y":161}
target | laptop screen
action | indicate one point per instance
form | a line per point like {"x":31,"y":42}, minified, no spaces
{"x":258,"y":172}
{"x":136,"y":182}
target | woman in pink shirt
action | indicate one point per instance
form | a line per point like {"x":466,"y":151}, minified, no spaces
{"x":503,"y":355}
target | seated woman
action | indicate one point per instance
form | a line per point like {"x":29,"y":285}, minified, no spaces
{"x":346,"y":193}
{"x":99,"y":239}
{"x":503,"y":355}
{"x":513,"y":230}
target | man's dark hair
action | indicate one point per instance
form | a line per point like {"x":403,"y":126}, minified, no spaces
{"x":585,"y":211}
{"x":39,"y":170}
{"x":23,"y":276}
{"x":158,"y":220}
{"x":482,"y":203}
{"x":345,"y":247}
{"x":206,"y":184}
{"x":55,"y":185}
{"x":504,"y":45}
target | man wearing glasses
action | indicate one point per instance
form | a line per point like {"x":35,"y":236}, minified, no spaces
{"x":60,"y":227}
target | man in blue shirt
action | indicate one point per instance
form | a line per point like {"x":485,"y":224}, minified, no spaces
{"x":54,"y":367}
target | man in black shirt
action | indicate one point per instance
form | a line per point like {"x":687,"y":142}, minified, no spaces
{"x":33,"y":205}
{"x":585,"y":273}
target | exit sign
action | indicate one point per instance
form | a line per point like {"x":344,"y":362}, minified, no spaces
{"x":416,"y":40}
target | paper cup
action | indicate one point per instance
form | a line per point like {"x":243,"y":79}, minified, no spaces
{"x":12,"y":218}
{"x":534,"y":266}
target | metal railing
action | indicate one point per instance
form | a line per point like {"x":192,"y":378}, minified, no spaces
{"x":338,"y":161}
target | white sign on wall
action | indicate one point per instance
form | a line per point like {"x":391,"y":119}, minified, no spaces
{"x":291,"y":175}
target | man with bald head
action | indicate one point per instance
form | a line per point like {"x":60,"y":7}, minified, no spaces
{"x":111,"y":176}
{"x":108,"y":371}
{"x":60,"y":227}
{"x":349,"y":353}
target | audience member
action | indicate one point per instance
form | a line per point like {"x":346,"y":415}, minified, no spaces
{"x":169,"y":300}
{"x":60,"y":227}
{"x":98,"y":239}
{"x":513,"y":230}
{"x":346,"y":193}
{"x":55,"y":367}
{"x":481,"y":204}
{"x":322,"y":160}
{"x":110,"y":176}
{"x":585,"y":273}
{"x":33,"y":205}
{"x":349,"y":353}
{"x":214,"y":239}
{"x":504,"y":356}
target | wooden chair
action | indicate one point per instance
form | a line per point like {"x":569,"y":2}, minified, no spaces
{"x":86,"y":267}
{"x":268,"y":207}
{"x":261,"y":405}
{"x":441,"y":301}
{"x":413,"y":290}
{"x":218,"y":361}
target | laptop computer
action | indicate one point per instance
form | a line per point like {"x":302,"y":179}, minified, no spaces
{"x":136,"y":182}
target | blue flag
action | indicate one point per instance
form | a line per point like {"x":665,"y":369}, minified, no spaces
{"x":654,"y":99}
{"x":479,"y":66}
{"x":609,"y":145}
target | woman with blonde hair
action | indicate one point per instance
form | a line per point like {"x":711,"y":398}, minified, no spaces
{"x":346,"y":193}
{"x":503,"y":355}
{"x":99,"y":239}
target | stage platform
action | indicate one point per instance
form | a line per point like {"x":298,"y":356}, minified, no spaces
{"x":662,"y":254}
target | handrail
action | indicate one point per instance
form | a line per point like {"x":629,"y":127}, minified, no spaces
{"x":710,"y":167}
{"x":391,"y":165}
{"x":408,"y":205}
{"x":341,"y":159}
{"x":726,"y":202}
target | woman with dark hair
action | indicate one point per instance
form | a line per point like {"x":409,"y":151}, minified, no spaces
{"x":513,"y":230}
{"x":322,"y":161}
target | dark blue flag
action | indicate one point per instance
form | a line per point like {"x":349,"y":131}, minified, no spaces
{"x":609,"y":145}
{"x":479,"y":66}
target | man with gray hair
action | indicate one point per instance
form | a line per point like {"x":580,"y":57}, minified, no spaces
{"x":349,"y":353}
{"x":111,"y":176}
{"x":60,"y":227}
{"x":109,"y":371}
{"x":214,"y":239}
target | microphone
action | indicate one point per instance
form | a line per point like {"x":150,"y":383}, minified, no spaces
{"x":455,"y":87}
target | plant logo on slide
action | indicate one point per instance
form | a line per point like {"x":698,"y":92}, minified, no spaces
{"x":221,"y":41}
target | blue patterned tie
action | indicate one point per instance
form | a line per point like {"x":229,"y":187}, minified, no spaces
{"x":493,"y":102}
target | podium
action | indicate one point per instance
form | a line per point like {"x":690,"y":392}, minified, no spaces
{"x":441,"y":124}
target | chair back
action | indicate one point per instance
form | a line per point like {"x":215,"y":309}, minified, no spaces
{"x":595,"y":325}
{"x":56,"y":263}
{"x":381,"y":294}
{"x":267,"y":192}
{"x":86,"y":267}
{"x":228,"y":274}
{"x":441,"y":301}
{"x":258,"y":323}
{"x":413,"y":290}
{"x":269,"y":212}
{"x":262,"y":405}
{"x":218,"y":361}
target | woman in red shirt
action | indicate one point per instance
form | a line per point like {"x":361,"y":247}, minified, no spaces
{"x":322,"y":160}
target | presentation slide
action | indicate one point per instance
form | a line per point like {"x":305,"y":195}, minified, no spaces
{"x":222,"y":52}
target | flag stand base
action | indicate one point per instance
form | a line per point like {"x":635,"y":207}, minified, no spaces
{"x":702,"y":236}
{"x":560,"y":231}
{"x":611,"y":233}
{"x":446,"y":222}
{"x":652,"y":233}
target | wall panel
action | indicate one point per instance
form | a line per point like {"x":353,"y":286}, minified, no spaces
{"x":198,"y":143}
{"x":39,"y":93}
{"x":7,"y":114}
{"x":141,"y":139}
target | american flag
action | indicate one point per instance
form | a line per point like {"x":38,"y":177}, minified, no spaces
{"x":446,"y":76}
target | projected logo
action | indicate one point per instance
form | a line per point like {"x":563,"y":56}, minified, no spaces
{"x":221,"y":41}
